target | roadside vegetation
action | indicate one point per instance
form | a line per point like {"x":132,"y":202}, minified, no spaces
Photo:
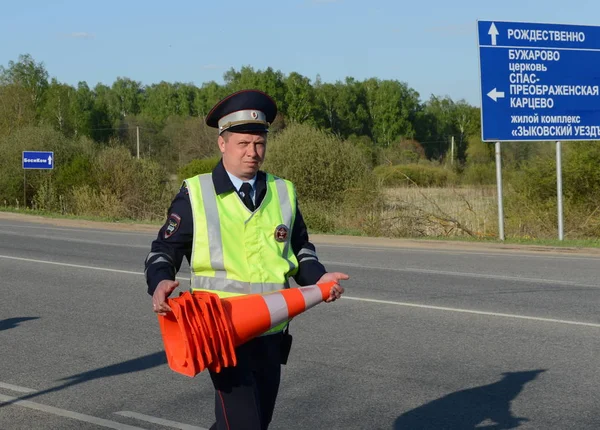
{"x":368,"y":158}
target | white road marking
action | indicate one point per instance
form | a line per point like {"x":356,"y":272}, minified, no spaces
{"x":67,"y":414}
{"x":16,"y":388}
{"x":503,"y":252}
{"x":440,"y":308}
{"x":78,"y":266}
{"x":339,"y":263}
{"x":463,"y":274}
{"x":159,"y":421}
{"x":474,"y":312}
{"x":507,"y":252}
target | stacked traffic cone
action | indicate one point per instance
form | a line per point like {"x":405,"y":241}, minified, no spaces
{"x":203,"y":330}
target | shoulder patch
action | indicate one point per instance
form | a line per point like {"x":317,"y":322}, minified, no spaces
{"x":173,"y":224}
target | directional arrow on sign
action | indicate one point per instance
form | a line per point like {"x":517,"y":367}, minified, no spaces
{"x":49,"y":160}
{"x":495,"y":95}
{"x":494,"y":33}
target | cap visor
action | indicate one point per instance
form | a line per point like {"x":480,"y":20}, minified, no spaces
{"x":242,"y":128}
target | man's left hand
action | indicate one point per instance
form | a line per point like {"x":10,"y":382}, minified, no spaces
{"x":337,"y":290}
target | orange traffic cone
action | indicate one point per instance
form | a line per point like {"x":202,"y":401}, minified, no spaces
{"x":203,"y":330}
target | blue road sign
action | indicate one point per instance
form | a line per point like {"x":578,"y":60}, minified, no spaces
{"x":38,"y":160}
{"x":539,"y":82}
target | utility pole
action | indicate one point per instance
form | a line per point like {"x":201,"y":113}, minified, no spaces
{"x":137,"y":129}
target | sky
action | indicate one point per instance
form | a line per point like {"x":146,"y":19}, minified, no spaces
{"x":431,"y":45}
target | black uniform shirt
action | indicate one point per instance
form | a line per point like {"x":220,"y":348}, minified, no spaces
{"x":175,"y":238}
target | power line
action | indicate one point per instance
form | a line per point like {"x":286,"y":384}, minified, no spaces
{"x":121,"y":128}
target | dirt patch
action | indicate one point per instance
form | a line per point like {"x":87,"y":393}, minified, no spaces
{"x":80,"y":223}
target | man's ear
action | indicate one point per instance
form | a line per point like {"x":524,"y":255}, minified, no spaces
{"x":221,"y":142}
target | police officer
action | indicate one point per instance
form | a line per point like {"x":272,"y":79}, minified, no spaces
{"x":242,"y":233}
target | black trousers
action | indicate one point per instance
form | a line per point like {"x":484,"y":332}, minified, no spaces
{"x":245,"y":395}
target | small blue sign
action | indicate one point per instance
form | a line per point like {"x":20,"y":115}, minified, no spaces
{"x":539,"y":82}
{"x":38,"y":160}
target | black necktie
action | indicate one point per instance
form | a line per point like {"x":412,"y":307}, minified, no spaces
{"x":245,"y":191}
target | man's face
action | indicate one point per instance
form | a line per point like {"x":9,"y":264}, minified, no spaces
{"x":243,"y":154}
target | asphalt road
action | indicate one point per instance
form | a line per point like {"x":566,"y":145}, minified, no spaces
{"x":426,"y":337}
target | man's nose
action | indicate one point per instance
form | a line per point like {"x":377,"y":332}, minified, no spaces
{"x":251,"y":149}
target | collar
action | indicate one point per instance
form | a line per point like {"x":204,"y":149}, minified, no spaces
{"x":223,"y":182}
{"x":237,"y":182}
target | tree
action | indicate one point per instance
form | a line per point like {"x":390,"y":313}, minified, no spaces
{"x":186,"y":95}
{"x":207,"y":96}
{"x":442,"y":119}
{"x":82,"y":110}
{"x":29,"y":75}
{"x":299,"y":98}
{"x":468,"y":122}
{"x":101,"y":120}
{"x":268,"y":81}
{"x":351,"y":108}
{"x":57,"y":109}
{"x":160,"y":102}
{"x":326,"y":97}
{"x":126,"y":97}
{"x":392,"y":107}
{"x":16,"y":109}
{"x":437,"y":117}
{"x":187,"y":139}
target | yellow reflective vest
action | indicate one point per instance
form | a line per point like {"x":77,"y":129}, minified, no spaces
{"x":236,"y":251}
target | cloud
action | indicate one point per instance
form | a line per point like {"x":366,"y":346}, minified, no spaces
{"x":79,"y":35}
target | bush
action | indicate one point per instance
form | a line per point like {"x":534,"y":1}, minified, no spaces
{"x":479,"y":152}
{"x":581,"y":176}
{"x":57,"y":182}
{"x":197,"y":167}
{"x":85,"y":200}
{"x":479,"y":174}
{"x":321,"y":166}
{"x":531,"y":200}
{"x":333,"y":178}
{"x":423,"y":175}
{"x":11,"y":168}
{"x":46,"y":197}
{"x":76,"y":172}
{"x":317,"y":216}
{"x":402,"y":152}
{"x":140,"y":186}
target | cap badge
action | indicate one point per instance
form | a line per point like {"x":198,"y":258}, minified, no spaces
{"x":254,"y":114}
{"x":281,"y":233}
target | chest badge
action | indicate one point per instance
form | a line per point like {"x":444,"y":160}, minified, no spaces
{"x":281,"y":233}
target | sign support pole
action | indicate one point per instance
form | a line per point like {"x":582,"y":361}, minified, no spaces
{"x":499,"y":183}
{"x":559,"y":191}
{"x":24,"y":189}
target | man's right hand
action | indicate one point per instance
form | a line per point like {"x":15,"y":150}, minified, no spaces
{"x":163,"y":290}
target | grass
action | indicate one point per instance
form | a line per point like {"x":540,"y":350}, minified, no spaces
{"x":444,"y":212}
{"x":466,"y":214}
{"x":556,"y":243}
